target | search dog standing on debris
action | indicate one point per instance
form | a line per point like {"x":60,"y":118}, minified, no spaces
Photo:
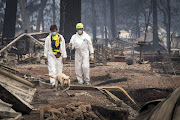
{"x":61,"y":80}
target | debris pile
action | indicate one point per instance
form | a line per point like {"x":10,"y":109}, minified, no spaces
{"x":25,"y":48}
{"x":16,"y":94}
{"x":6,"y":112}
{"x":168,"y":64}
{"x":75,"y":111}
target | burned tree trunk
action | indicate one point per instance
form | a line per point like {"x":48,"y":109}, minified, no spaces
{"x":137,"y":26}
{"x":168,"y":25}
{"x":155,"y":27}
{"x":43,"y":24}
{"x":54,"y":13}
{"x":2,"y":9}
{"x":113,"y":32}
{"x":40,"y":15}
{"x":166,"y":10}
{"x":25,"y":17}
{"x":9,"y":20}
{"x":105,"y":23}
{"x":70,"y":15}
{"x":94,"y":22}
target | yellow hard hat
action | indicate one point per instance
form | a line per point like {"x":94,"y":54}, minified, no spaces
{"x":79,"y":25}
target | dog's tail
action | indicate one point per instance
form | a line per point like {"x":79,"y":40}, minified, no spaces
{"x":49,"y":75}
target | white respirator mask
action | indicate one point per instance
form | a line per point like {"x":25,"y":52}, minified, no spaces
{"x":79,"y":32}
{"x":53,"y":33}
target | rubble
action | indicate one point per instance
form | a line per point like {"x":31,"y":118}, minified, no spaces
{"x":6,"y":112}
{"x":131,"y":77}
{"x":75,"y":111}
{"x":25,"y":48}
{"x":16,"y":91}
{"x":82,"y":111}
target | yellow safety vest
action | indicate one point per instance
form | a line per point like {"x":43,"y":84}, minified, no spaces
{"x":55,"y":43}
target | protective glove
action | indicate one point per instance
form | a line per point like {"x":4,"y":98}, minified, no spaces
{"x":70,"y":46}
{"x":64,"y":60}
{"x":92,"y":57}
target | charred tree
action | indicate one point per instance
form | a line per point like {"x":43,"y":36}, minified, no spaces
{"x":105,"y":23}
{"x":168,"y":25}
{"x":137,"y":26}
{"x":70,"y":15}
{"x":165,"y":8}
{"x":147,"y":23}
{"x":9,"y":20}
{"x":43,"y":24}
{"x":86,"y":11}
{"x":155,"y":27}
{"x":54,"y":12}
{"x":112,"y":17}
{"x":94,"y":22}
{"x":3,"y":2}
{"x":40,"y":15}
{"x":137,"y":10}
{"x":25,"y":17}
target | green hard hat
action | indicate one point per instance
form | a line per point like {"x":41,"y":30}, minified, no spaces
{"x":79,"y":25}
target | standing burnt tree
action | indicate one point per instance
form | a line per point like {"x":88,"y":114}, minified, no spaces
{"x":70,"y":15}
{"x":54,"y":13}
{"x":9,"y":20}
{"x":40,"y":15}
{"x":25,"y":17}
{"x":155,"y":26}
{"x":105,"y":23}
{"x":112,"y":17}
{"x":2,"y":12}
{"x":168,"y":25}
{"x":94,"y":22}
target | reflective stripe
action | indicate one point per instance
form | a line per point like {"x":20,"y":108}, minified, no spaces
{"x":57,"y":50}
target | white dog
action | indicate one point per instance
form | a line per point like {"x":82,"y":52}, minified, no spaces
{"x":62,"y":80}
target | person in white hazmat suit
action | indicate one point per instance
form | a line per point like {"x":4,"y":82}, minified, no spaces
{"x":81,"y":41}
{"x":55,"y":52}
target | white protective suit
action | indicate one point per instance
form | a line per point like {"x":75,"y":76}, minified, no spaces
{"x":55,"y":65}
{"x":83,"y":46}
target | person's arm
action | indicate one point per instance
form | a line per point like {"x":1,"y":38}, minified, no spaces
{"x":90,"y":45}
{"x":71,"y":43}
{"x":63,"y":52}
{"x":46,"y":47}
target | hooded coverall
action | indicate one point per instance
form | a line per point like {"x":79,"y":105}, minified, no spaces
{"x":55,"y":65}
{"x":83,"y":45}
